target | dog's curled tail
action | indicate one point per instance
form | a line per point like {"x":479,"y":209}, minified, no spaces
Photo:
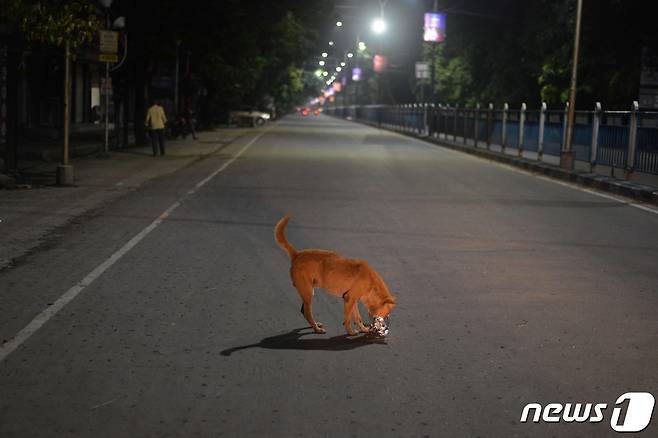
{"x":280,"y":236}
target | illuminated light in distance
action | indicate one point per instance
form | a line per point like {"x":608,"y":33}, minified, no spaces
{"x":378,"y":26}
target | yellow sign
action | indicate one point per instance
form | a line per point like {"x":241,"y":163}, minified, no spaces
{"x":108,"y":57}
{"x":109,"y":41}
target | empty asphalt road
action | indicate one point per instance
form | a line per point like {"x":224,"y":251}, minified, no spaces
{"x":177,"y":317}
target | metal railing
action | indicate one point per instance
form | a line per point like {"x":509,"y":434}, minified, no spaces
{"x":626,"y":140}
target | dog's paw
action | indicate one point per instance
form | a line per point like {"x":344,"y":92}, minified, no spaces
{"x":319,"y":324}
{"x":319,"y":330}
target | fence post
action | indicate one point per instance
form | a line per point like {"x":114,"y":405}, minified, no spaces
{"x":542,"y":123}
{"x":431,"y":128}
{"x":425,"y":127}
{"x":410,"y":112}
{"x":503,"y":137}
{"x":454,"y":131}
{"x":489,"y":124}
{"x":632,"y":139}
{"x":596,"y":123}
{"x":475,"y":125}
{"x":464,"y":135}
{"x":564,"y":125}
{"x":522,"y":128}
{"x":412,"y":117}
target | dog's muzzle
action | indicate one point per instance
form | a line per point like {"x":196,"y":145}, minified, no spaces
{"x":379,"y":325}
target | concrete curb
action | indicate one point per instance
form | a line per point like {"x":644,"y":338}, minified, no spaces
{"x":630,"y":189}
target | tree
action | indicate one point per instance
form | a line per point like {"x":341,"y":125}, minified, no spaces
{"x":64,"y":24}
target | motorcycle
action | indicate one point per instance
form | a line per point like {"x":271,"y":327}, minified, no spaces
{"x":179,"y":127}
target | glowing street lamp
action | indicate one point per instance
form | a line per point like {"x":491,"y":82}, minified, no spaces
{"x":324,"y":73}
{"x":349,"y":55}
{"x":342,"y":64}
{"x":321,"y":63}
{"x":378,"y":26}
{"x":331,"y":43}
{"x":362,"y":46}
{"x":339,"y":23}
{"x":325,"y":54}
{"x":338,"y":69}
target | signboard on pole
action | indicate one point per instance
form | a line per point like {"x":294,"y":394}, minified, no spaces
{"x":109,"y":41}
{"x":108,"y":57}
{"x":422,"y":70}
{"x":435,"y":27}
{"x":380,"y":63}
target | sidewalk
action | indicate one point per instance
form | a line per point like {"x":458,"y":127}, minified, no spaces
{"x":29,"y":215}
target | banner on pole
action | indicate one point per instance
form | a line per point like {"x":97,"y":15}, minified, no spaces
{"x":435,"y":27}
{"x":380,"y":63}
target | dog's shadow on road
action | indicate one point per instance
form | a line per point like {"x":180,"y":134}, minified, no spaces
{"x":293,"y":340}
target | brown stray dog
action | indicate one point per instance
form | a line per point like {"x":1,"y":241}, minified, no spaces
{"x":353,"y":280}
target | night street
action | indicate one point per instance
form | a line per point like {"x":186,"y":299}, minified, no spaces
{"x":181,"y":319}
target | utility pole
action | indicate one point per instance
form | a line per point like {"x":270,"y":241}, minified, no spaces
{"x":567,"y":157}
{"x":176,"y":79}
{"x":106,"y":90}
{"x":65,"y":170}
{"x":433,"y":62}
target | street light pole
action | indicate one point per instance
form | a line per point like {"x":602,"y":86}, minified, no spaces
{"x":433,"y":62}
{"x":106,"y":149}
{"x":65,"y":170}
{"x":567,"y":157}
{"x":178,"y":43}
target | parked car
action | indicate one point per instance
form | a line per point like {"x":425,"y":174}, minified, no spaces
{"x":248,"y":116}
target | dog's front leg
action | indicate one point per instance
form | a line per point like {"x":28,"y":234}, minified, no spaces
{"x":359,"y":321}
{"x":350,"y":303}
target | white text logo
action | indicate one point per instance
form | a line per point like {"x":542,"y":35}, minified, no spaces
{"x":631,"y":413}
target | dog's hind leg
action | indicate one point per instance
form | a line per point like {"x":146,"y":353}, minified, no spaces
{"x":302,"y":312}
{"x":306,"y":293}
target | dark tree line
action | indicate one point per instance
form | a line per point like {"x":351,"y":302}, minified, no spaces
{"x":520,"y":50}
{"x":241,"y":52}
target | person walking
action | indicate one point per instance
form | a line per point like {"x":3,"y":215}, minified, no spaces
{"x":188,"y":116}
{"x":155,"y":122}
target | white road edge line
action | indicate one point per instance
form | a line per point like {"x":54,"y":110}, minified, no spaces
{"x":10,"y":346}
{"x":643,"y":207}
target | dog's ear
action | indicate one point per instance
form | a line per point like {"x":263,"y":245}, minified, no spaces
{"x":389,"y":300}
